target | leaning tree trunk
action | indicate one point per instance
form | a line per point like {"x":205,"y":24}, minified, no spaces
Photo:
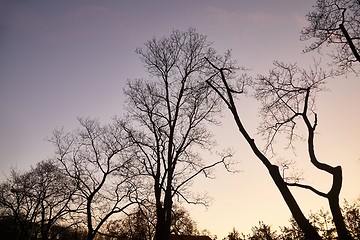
{"x":309,"y":230}
{"x":338,"y":219}
{"x":350,"y":42}
{"x":304,"y":224}
{"x":336,"y":172}
{"x":333,"y":198}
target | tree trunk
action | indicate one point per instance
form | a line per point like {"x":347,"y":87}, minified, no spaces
{"x":163,"y":224}
{"x":333,"y":198}
{"x":167,"y":212}
{"x":304,"y":224}
{"x":90,"y":233}
{"x":338,"y":219}
{"x":160,"y":231}
{"x":350,"y":42}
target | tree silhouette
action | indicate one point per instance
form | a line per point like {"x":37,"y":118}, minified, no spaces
{"x":234,"y":235}
{"x":321,"y":220}
{"x":55,"y":193}
{"x":288,"y":99}
{"x":19,"y":204}
{"x":337,"y":23}
{"x":263,"y":231}
{"x":168,"y":113}
{"x":37,"y":200}
{"x":95,"y":157}
{"x":140,"y":224}
{"x":287,"y":96}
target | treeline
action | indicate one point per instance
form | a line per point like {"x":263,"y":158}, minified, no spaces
{"x":41,"y":204}
{"x":322,"y":221}
{"x":149,"y":158}
{"x":144,"y":159}
{"x":45,"y":204}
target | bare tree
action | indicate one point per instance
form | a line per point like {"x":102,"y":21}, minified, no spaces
{"x":168,"y":113}
{"x":182,"y":224}
{"x":288,"y":98}
{"x":37,"y":200}
{"x":55,"y":194}
{"x":17,"y":201}
{"x":337,"y":23}
{"x":96,"y":158}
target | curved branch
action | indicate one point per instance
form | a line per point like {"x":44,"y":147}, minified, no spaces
{"x":202,"y":170}
{"x":307,"y":187}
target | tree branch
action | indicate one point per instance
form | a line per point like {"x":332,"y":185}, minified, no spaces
{"x":307,"y":187}
{"x":350,"y":42}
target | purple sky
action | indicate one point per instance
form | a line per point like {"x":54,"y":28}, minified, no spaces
{"x":64,"y":59}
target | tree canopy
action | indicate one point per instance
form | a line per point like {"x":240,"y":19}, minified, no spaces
{"x":336,"y":23}
{"x":168,"y":113}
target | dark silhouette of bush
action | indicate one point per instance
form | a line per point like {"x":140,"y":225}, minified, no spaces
{"x":321,"y":220}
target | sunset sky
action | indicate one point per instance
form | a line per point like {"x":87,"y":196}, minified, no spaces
{"x":64,"y":59}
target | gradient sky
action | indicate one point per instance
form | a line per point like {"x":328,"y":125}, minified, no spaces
{"x":63,"y":59}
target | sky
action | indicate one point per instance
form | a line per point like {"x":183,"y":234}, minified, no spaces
{"x":60,"y":60}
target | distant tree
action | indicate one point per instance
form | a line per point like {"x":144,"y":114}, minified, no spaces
{"x":137,"y":225}
{"x":262,"y":232}
{"x":336,"y":23}
{"x":141,"y":222}
{"x":321,"y":220}
{"x":37,"y":200}
{"x":324,"y":224}
{"x":235,"y":235}
{"x":168,"y":113}
{"x":55,"y":192}
{"x":182,"y":224}
{"x":292,"y":232}
{"x":69,"y":232}
{"x":18,"y":205}
{"x":16,"y":208}
{"x":287,"y":96}
{"x":352,"y":217}
{"x":95,"y":157}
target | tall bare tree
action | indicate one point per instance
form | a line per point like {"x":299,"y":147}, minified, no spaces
{"x":168,"y":113}
{"x":288,"y":99}
{"x":337,"y":23}
{"x":95,"y":157}
{"x":287,"y":96}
